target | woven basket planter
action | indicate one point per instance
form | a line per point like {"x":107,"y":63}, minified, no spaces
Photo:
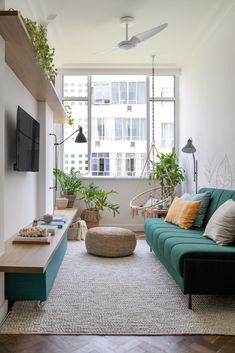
{"x":71,"y":200}
{"x":73,"y":231}
{"x":77,"y":230}
{"x":92,"y":218}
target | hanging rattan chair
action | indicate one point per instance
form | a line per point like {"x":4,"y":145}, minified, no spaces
{"x":153,"y":199}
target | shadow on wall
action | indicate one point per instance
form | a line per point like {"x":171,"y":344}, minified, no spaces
{"x":187,"y":185}
{"x":10,"y":141}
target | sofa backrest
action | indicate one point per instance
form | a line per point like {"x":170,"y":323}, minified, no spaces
{"x":218,"y":197}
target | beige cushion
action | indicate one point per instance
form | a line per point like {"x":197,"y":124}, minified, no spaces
{"x":221,"y":226}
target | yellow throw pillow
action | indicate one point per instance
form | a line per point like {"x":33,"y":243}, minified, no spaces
{"x":183,"y":212}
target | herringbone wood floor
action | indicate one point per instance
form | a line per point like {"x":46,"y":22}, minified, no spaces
{"x":116,"y":344}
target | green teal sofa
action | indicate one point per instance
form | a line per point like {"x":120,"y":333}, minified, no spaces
{"x":197,"y":264}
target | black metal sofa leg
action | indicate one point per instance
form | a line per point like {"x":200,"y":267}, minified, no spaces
{"x":150,"y":249}
{"x":190,"y":301}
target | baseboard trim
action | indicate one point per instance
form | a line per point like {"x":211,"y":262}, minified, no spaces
{"x":3,"y":310}
{"x":134,"y":227}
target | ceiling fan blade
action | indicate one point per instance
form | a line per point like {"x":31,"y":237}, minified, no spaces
{"x":106,"y":51}
{"x":147,"y":34}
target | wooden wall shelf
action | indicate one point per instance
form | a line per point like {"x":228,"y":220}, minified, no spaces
{"x":20,"y":55}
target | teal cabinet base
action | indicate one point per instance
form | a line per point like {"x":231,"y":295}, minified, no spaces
{"x":34,"y":286}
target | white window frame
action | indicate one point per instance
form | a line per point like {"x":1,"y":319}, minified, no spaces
{"x":81,"y":72}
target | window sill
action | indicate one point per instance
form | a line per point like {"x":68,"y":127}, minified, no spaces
{"x":87,"y":177}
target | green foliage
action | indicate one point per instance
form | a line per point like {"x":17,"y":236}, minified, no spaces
{"x":166,"y":170}
{"x":45,"y":54}
{"x":68,"y":112}
{"x":96,"y":199}
{"x":69,"y":183}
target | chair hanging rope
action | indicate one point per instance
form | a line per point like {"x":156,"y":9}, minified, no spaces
{"x":153,"y":95}
{"x":153,"y":150}
{"x":155,"y":197}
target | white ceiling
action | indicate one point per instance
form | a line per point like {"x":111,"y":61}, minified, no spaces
{"x":83,"y":28}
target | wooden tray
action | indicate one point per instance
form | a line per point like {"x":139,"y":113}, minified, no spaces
{"x":30,"y":240}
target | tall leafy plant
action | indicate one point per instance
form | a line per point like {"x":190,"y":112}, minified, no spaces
{"x":69,"y":182}
{"x":167,"y":171}
{"x":96,"y":199}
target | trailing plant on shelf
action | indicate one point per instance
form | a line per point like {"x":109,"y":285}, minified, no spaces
{"x":96,"y":199}
{"x":68,"y":112}
{"x":45,"y":54}
{"x":70,"y":184}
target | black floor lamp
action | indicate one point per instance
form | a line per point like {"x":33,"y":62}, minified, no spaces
{"x":189,"y":148}
{"x":80,"y":138}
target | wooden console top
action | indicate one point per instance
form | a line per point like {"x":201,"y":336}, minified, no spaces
{"x":34,"y":258}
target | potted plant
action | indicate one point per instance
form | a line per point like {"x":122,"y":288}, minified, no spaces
{"x":168,"y":172}
{"x":70,"y":184}
{"x":45,"y":54}
{"x":68,"y":112}
{"x":96,"y":199}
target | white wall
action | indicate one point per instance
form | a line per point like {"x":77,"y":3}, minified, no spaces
{"x":20,"y":204}
{"x":20,"y":190}
{"x":207,"y":109}
{"x":27,"y":194}
{"x":45,"y":175}
{"x":126,"y":189}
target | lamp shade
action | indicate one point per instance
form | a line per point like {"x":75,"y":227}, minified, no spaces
{"x":80,"y":138}
{"x":189,"y":148}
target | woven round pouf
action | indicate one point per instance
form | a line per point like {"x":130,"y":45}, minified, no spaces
{"x":110,"y":241}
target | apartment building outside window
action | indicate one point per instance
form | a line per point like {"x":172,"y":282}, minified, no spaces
{"x":119,"y":118}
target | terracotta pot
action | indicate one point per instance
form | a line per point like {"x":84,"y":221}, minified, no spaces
{"x":61,"y":203}
{"x":92,"y":218}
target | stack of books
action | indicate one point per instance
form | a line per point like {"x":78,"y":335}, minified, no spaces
{"x":57,"y":222}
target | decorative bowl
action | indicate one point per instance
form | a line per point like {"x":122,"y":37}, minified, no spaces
{"x":47,"y":218}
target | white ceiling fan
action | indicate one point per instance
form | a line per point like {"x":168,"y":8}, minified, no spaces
{"x":138,"y":38}
{"x":131,"y":43}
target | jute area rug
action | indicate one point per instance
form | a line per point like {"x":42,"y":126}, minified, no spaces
{"x":132,"y":295}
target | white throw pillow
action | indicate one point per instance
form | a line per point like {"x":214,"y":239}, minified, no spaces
{"x":221,"y":226}
{"x":152,"y":201}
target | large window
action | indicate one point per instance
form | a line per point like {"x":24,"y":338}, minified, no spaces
{"x":162,"y":106}
{"x":75,"y":95}
{"x":130,"y":129}
{"x":163,"y":125}
{"x":116,"y":113}
{"x":119,"y":92}
{"x":118,"y":118}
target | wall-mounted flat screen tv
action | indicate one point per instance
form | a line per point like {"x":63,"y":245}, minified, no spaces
{"x":27,"y":142}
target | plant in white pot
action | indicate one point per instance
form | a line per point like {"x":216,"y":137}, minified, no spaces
{"x":96,"y":199}
{"x":70,"y":184}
